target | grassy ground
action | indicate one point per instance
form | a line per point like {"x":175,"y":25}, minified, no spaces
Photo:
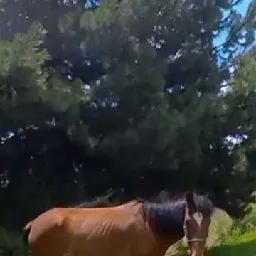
{"x":239,"y":240}
{"x":227,"y":237}
{"x":243,"y":245}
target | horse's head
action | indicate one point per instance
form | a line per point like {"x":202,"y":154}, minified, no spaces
{"x":196,"y":222}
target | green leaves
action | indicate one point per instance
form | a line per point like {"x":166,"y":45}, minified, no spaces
{"x":29,"y":92}
{"x":22,"y":78}
{"x":147,"y":99}
{"x":159,"y":106}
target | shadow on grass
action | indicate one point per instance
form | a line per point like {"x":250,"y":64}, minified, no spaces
{"x":242,"y":249}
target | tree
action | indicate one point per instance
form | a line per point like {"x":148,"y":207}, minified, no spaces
{"x":60,"y":19}
{"x":27,"y":85}
{"x":157,"y":112}
{"x":148,"y":115}
{"x":33,"y":99}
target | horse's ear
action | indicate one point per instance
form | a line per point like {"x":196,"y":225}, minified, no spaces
{"x":190,"y":202}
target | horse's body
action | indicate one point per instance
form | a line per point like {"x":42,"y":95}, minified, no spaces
{"x":136,"y":228}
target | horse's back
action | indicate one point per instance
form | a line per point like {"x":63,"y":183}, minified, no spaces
{"x":87,"y":231}
{"x":108,"y":231}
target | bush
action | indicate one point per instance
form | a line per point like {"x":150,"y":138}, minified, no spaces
{"x":11,"y":244}
{"x":240,"y":239}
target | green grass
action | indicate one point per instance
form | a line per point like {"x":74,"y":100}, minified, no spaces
{"x":244,"y":244}
{"x":240,"y":249}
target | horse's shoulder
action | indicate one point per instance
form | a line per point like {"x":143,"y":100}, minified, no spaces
{"x":53,"y":217}
{"x":45,"y":223}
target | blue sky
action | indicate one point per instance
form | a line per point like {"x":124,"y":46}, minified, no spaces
{"x":241,"y":8}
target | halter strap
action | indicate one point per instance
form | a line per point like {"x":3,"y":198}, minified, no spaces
{"x":195,"y":240}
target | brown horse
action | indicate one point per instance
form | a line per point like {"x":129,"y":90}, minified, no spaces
{"x":136,"y":228}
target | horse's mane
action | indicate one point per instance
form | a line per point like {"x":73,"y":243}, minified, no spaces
{"x":97,"y":202}
{"x":168,"y":213}
{"x":108,"y":199}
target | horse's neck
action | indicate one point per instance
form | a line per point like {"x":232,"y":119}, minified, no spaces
{"x":156,"y":243}
{"x":161,"y":244}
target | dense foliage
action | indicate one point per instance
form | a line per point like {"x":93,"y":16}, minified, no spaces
{"x":128,"y":95}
